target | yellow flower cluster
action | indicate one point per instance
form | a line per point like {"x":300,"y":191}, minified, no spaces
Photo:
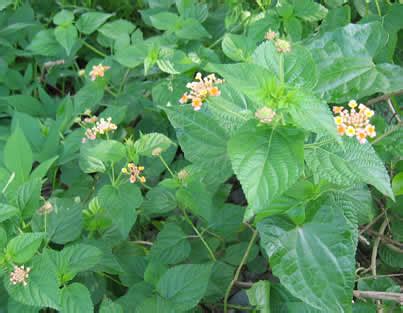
{"x":282,"y":46}
{"x":98,"y":71}
{"x":134,"y":172}
{"x":200,"y":90}
{"x":354,"y":123}
{"x":20,"y":275}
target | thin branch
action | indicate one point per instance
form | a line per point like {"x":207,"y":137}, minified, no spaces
{"x":392,"y":108}
{"x":378,"y":295}
{"x":142,"y":242}
{"x":376,"y":246}
{"x":384,"y":97}
{"x":368,"y":226}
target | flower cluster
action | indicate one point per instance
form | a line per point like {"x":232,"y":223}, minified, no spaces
{"x":282,"y":46}
{"x":20,"y":275}
{"x":354,"y":123}
{"x":98,"y":71}
{"x":265,"y":115}
{"x":46,"y":208}
{"x":101,"y":127}
{"x":201,"y":89}
{"x":134,"y":172}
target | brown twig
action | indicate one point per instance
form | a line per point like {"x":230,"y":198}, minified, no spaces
{"x":384,"y":97}
{"x":379,"y":295}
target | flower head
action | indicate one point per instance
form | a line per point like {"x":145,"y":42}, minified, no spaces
{"x":265,"y":115}
{"x":270,"y":35}
{"x":98,"y":71}
{"x":355,"y":122}
{"x":200,"y":90}
{"x":156,"y":151}
{"x":134,"y":172}
{"x":101,"y":127}
{"x":20,"y":275}
{"x":46,"y":208}
{"x":282,"y":46}
{"x":183,"y":174}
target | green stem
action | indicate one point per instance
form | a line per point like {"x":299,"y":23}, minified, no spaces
{"x":238,"y":271}
{"x":166,"y":166}
{"x":92,"y":48}
{"x":111,"y":92}
{"x":189,"y":221}
{"x":378,"y":8}
{"x":123,"y":81}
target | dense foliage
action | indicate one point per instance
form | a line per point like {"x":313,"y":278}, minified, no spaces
{"x":201,"y":156}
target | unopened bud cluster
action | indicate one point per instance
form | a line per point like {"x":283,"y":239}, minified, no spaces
{"x":354,"y":122}
{"x":98,"y":71}
{"x":20,"y":275}
{"x":282,"y":46}
{"x":265,"y":115}
{"x":201,"y":89}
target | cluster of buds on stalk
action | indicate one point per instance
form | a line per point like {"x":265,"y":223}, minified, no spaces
{"x":45,"y":209}
{"x":282,"y":46}
{"x":265,"y":115}
{"x":201,"y":89}
{"x":354,"y":122}
{"x":94,"y":127}
{"x":98,"y":71}
{"x":134,"y":171}
{"x":20,"y":275}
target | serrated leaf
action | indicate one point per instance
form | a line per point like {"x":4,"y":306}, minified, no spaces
{"x":348,"y":164}
{"x":147,"y":143}
{"x":7,"y":211}
{"x":184,"y":285}
{"x":266,"y":161}
{"x":76,"y":298}
{"x":171,"y":246}
{"x":238,"y":47}
{"x":23,"y":247}
{"x":314,"y":261}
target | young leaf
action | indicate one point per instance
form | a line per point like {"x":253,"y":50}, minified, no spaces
{"x":267,"y":161}
{"x":66,"y":35}
{"x":184,"y":285}
{"x":89,"y":22}
{"x":259,"y":296}
{"x":147,"y":143}
{"x":314,"y":261}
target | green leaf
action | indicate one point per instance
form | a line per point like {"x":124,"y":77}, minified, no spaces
{"x":7,"y":212}
{"x":154,"y":271}
{"x":121,"y":203}
{"x":117,"y":29}
{"x":159,"y":200}
{"x":156,"y":304}
{"x":174,"y":61}
{"x":171,"y":246}
{"x":299,"y":66}
{"x":164,"y":20}
{"x":147,"y":143}
{"x":100,"y":152}
{"x":88,"y":97}
{"x":91,"y":21}
{"x":397,"y":184}
{"x":133,"y":55}
{"x":42,"y":169}
{"x":26,"y":104}
{"x":108,"y":306}
{"x":17,"y":156}
{"x":42,"y":289}
{"x":348,"y":164}
{"x":22,"y":248}
{"x":234,"y":253}
{"x":202,"y":140}
{"x":28,"y":196}
{"x":238,"y":47}
{"x":266,"y":161}
{"x":314,"y":261}
{"x":63,"y":17}
{"x":75,"y":298}
{"x":309,"y":10}
{"x":191,"y":29}
{"x":184,"y":285}
{"x":259,"y":296}
{"x":4,"y":4}
{"x":44,"y":43}
{"x":66,"y":36}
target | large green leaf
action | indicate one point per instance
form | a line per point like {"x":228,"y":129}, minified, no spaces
{"x":348,"y":164}
{"x":171,"y":246}
{"x":67,"y":36}
{"x":184,"y":285}
{"x":314,"y":261}
{"x":147,"y":143}
{"x":299,"y":66}
{"x":42,"y":289}
{"x":202,"y":140}
{"x":238,"y":47}
{"x":267,"y":161}
{"x":89,"y":22}
{"x":76,"y":298}
{"x":17,"y":156}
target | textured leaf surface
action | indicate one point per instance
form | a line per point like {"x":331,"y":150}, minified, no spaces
{"x":76,"y":298}
{"x":266,"y":161}
{"x":314,"y":261}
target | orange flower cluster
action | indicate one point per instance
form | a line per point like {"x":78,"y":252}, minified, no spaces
{"x":134,"y":172}
{"x":201,"y":89}
{"x":98,"y":71}
{"x":20,"y":275}
{"x":354,"y":123}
